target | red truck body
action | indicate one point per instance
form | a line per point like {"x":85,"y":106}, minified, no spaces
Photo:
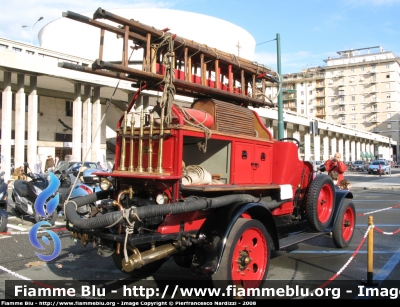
{"x":207,"y":184}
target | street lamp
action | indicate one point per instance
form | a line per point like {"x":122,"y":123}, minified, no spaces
{"x":24,"y":26}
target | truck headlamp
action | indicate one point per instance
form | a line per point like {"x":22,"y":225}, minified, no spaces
{"x":105,"y":184}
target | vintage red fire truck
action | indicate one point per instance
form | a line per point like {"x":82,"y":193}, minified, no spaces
{"x":207,"y":184}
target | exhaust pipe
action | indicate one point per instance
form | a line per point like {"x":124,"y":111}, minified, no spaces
{"x":139,"y":259}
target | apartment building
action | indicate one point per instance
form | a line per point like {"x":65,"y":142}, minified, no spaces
{"x":358,"y":89}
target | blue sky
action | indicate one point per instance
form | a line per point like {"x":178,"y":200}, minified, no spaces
{"x":310,"y":30}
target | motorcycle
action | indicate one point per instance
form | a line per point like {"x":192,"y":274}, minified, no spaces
{"x":25,"y":193}
{"x":3,"y":203}
{"x":87,"y":184}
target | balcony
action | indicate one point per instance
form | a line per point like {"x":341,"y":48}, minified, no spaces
{"x":320,"y":94}
{"x":289,"y":97}
{"x":341,"y":103}
{"x":288,"y":90}
{"x":374,"y":120}
{"x":341,"y":112}
{"x":373,"y":90}
{"x":319,"y":106}
{"x":341,"y":93}
{"x":374,"y":110}
{"x":374,"y":99}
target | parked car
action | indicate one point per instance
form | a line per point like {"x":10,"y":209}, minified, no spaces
{"x":360,"y":165}
{"x":374,"y":167}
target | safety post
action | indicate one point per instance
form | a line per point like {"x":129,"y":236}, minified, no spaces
{"x":370,"y":253}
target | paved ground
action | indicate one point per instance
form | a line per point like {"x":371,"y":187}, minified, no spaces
{"x":366,"y":181}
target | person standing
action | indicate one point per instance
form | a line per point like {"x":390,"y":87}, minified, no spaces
{"x":49,"y":163}
{"x":336,"y":164}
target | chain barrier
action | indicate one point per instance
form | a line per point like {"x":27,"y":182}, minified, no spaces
{"x":380,"y":210}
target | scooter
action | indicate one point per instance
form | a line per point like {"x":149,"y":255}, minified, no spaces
{"x":3,"y":203}
{"x":25,"y":193}
{"x":86,"y":184}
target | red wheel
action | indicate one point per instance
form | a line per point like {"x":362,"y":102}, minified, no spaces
{"x":343,"y":230}
{"x":320,"y":202}
{"x":245,"y":259}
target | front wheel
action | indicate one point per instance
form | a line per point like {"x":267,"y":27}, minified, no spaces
{"x":343,"y":230}
{"x":3,"y":223}
{"x":320,"y":202}
{"x":245,"y":259}
{"x":51,"y":219}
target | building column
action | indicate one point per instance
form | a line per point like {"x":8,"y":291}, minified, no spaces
{"x":333,"y":145}
{"x":307,"y":146}
{"x":296,"y":132}
{"x":6,"y":121}
{"x":285,"y":131}
{"x":19,"y":123}
{"x":340,"y":146}
{"x":347,"y":149}
{"x":77,"y":124}
{"x":270,"y":126}
{"x":96,"y":128}
{"x":358,"y":150}
{"x":317,"y":148}
{"x":87,"y":124}
{"x":363,"y":148}
{"x":326,"y":145}
{"x":353,"y":150}
{"x":32,"y":156}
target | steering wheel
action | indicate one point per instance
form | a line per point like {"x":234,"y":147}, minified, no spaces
{"x":291,"y":139}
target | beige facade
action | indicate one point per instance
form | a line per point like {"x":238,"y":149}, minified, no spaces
{"x":359,"y":89}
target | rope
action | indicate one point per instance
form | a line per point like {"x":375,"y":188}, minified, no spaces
{"x":207,"y":132}
{"x":368,"y":213}
{"x":195,"y":52}
{"x":385,"y":232}
{"x":345,"y":265}
{"x":167,"y":97}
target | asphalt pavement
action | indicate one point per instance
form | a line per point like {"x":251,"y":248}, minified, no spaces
{"x":375,"y":182}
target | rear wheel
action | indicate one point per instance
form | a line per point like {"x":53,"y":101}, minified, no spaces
{"x":343,"y":230}
{"x":320,"y":202}
{"x":245,"y":259}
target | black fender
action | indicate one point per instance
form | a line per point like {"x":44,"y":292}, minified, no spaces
{"x":340,"y":197}
{"x":215,"y":230}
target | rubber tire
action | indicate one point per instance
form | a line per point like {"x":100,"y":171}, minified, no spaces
{"x":320,"y":202}
{"x":51,"y":219}
{"x":143,"y":272}
{"x":344,"y":227}
{"x":3,"y":223}
{"x":244,"y":233}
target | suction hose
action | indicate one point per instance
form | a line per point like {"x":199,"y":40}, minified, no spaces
{"x":189,"y":205}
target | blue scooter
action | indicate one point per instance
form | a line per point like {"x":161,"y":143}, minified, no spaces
{"x":86,"y":184}
{"x":3,"y":203}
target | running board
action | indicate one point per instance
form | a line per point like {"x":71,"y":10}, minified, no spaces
{"x":297,"y":238}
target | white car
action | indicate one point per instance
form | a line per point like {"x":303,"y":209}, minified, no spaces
{"x":360,"y":165}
